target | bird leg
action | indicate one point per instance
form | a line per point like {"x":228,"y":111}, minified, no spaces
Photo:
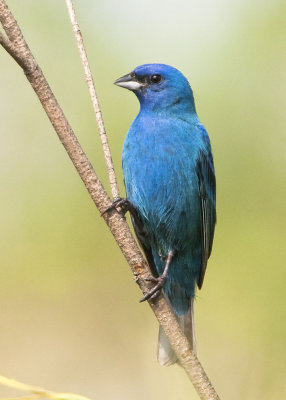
{"x":125,"y":205}
{"x":160,"y":281}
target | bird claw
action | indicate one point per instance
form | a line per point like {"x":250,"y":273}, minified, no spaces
{"x":156,"y":289}
{"x":160,"y":280}
{"x":151,"y":279}
{"x":124,"y":204}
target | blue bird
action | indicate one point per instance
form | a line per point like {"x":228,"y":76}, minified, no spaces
{"x":170,"y":184}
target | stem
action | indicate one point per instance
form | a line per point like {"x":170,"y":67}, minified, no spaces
{"x":94,"y":100}
{"x":38,"y":392}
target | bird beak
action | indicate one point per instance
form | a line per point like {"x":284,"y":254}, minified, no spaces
{"x":129,"y":82}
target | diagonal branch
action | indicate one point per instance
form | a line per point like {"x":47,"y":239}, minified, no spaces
{"x":94,"y":100}
{"x":5,"y":42}
{"x":38,"y":392}
{"x":20,"y":51}
{"x":11,"y":49}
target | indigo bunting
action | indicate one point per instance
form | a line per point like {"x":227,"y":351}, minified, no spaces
{"x":170,"y":185}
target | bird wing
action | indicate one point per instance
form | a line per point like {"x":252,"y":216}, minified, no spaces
{"x":142,"y":239}
{"x":148,"y":254}
{"x":207,"y":193}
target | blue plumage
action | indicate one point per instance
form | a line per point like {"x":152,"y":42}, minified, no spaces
{"x":169,"y":179}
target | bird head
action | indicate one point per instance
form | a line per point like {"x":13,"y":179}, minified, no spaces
{"x":160,"y":88}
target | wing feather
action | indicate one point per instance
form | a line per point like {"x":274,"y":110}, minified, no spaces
{"x":207,"y":193}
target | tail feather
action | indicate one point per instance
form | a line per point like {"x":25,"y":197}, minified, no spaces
{"x":165,"y":354}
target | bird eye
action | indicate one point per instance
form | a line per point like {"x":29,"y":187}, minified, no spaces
{"x":156,"y":78}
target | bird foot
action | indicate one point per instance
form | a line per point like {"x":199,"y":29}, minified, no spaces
{"x":124,"y":205}
{"x":160,"y":282}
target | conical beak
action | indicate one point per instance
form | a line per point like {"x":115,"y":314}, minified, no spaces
{"x":129,"y":82}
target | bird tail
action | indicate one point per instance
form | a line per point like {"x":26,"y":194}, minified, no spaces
{"x":165,"y":354}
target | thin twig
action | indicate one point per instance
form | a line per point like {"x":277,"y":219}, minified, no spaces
{"x":30,"y":397}
{"x":114,"y":220}
{"x":10,"y":48}
{"x":5,"y":42}
{"x":94,"y":100}
{"x":38,"y":392}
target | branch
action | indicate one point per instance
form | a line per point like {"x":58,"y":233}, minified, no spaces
{"x":5,"y":42}
{"x":113,"y":219}
{"x":94,"y":100}
{"x":38,"y":392}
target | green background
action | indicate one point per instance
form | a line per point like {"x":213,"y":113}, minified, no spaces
{"x":70,"y":319}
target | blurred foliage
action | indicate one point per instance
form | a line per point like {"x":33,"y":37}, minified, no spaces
{"x":69,"y":312}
